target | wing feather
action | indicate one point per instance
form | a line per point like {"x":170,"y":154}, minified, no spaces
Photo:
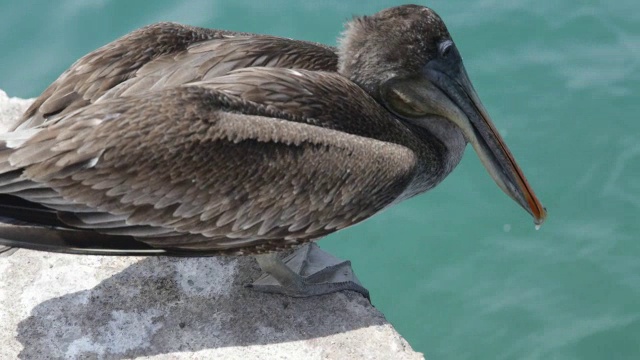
{"x":164,"y":55}
{"x":196,"y":174}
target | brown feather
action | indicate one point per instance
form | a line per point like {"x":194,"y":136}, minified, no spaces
{"x":209,"y":141}
{"x":261,"y":161}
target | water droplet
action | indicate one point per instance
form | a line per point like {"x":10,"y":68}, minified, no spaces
{"x":538,"y":226}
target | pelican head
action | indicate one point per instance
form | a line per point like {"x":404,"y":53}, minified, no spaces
{"x":405,"y":57}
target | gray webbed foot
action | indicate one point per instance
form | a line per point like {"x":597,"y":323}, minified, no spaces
{"x":309,"y":271}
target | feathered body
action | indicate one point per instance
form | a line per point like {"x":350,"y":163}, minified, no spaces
{"x":183,"y":140}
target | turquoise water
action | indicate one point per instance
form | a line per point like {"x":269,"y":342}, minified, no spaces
{"x":460,"y":271}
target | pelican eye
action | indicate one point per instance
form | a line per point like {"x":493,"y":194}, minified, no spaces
{"x":446,"y":48}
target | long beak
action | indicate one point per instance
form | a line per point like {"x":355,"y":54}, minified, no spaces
{"x":485,"y":139}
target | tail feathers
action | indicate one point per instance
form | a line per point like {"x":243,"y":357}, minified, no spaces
{"x":24,"y":224}
{"x":71,"y":241}
{"x":14,"y":210}
{"x":28,"y":225}
{"x":82,"y":242}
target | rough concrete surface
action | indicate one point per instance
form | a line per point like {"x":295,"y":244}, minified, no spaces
{"x":11,"y":109}
{"x":93,"y":307}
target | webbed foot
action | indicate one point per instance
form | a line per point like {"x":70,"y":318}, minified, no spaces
{"x":308,"y":271}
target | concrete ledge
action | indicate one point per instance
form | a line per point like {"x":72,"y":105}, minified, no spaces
{"x":67,"y":306}
{"x":11,"y":109}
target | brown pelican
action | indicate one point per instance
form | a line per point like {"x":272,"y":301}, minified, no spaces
{"x":177,"y":140}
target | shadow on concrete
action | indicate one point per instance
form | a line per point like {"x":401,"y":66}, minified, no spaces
{"x":166,"y":305}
